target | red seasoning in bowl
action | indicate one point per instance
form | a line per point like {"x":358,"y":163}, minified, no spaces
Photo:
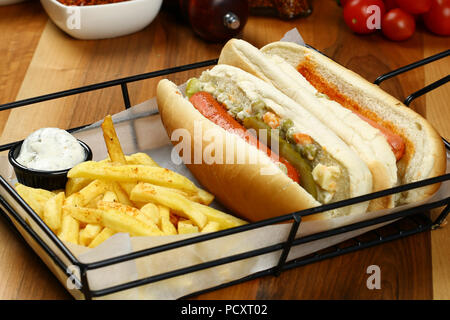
{"x":88,"y":2}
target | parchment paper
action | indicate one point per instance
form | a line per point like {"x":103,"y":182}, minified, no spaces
{"x":140,"y":130}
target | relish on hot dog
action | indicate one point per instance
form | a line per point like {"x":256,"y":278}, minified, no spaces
{"x":398,"y":145}
{"x":211,"y":109}
{"x":328,"y":169}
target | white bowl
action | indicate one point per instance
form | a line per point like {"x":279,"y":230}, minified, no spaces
{"x":102,"y":21}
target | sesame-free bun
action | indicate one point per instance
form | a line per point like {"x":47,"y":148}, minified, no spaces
{"x":278,"y":64}
{"x":242,"y":187}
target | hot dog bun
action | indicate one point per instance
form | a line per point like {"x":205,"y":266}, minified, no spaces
{"x":279,"y":64}
{"x":242,"y":187}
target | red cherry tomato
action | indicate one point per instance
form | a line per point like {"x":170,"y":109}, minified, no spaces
{"x":398,"y":25}
{"x":343,"y":2}
{"x":414,"y":6}
{"x":390,"y":4}
{"x":437,"y":20}
{"x":359,"y":16}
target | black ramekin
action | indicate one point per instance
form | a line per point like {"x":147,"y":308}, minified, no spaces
{"x":49,"y":180}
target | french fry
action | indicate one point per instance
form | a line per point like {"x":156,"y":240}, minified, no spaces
{"x":164,"y":211}
{"x":151,"y":210}
{"x":76,"y":184}
{"x":53,"y":211}
{"x":151,"y":193}
{"x":130,"y":211}
{"x":141,"y":158}
{"x":102,"y":236}
{"x":36,"y":202}
{"x":87,"y":194}
{"x":84,"y":215}
{"x":185,"y":227}
{"x":224,"y":220}
{"x":93,"y":202}
{"x":112,"y":142}
{"x":45,"y":194}
{"x":128,"y":186}
{"x":167,"y":227}
{"x":110,"y":196}
{"x":131,"y":173}
{"x":121,"y":195}
{"x":88,"y":234}
{"x":117,"y":157}
{"x":120,"y":222}
{"x":212,"y":226}
{"x":69,"y":229}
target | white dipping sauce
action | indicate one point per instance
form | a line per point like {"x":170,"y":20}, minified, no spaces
{"x":50,"y":149}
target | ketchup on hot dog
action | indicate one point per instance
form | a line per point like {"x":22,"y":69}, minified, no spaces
{"x":210,"y":108}
{"x":396,"y":142}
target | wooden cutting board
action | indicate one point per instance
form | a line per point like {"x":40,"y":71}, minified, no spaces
{"x":37,"y":58}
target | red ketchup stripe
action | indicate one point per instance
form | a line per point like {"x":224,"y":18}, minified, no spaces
{"x":208,"y":106}
{"x":395,"y":141}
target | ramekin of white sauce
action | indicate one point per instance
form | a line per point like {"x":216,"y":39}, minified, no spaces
{"x":43,"y":159}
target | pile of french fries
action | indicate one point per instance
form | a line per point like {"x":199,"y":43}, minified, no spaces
{"x":130,"y":194}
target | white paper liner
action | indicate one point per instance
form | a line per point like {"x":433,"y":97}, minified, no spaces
{"x":140,"y":130}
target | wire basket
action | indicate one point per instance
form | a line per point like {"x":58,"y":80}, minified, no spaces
{"x":60,"y":259}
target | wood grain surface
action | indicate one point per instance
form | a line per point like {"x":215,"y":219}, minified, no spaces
{"x":38,"y":58}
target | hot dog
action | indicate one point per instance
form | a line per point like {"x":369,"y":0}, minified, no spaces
{"x":336,"y":171}
{"x":397,"y":144}
{"x":211,"y":109}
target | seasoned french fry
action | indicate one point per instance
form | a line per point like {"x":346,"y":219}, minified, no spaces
{"x":122,"y":196}
{"x":167,"y":227}
{"x":120,"y":222}
{"x":76,"y":184}
{"x":89,"y":233}
{"x":131,"y":173}
{"x":93,"y":202}
{"x":112,"y":142}
{"x":35,"y":201}
{"x":128,"y":186}
{"x":82,"y":214}
{"x":53,"y":211}
{"x":185,"y":227}
{"x":204,"y":196}
{"x":225,"y":220}
{"x":151,"y":210}
{"x":151,"y":193}
{"x":141,"y":158}
{"x":164,"y":211}
{"x":212,"y":226}
{"x":110,"y":196}
{"x":102,"y":236}
{"x":43,"y":193}
{"x":87,"y":194}
{"x":69,"y":229}
{"x":130,"y":211}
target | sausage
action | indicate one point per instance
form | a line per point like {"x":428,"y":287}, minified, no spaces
{"x":210,"y":108}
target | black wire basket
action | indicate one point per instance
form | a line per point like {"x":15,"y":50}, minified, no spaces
{"x":60,"y":259}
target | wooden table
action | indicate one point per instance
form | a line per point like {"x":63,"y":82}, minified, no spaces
{"x":37,"y":58}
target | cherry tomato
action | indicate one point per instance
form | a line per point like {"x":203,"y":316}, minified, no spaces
{"x":390,"y":4}
{"x":414,"y":6}
{"x":360,"y":18}
{"x":343,"y":2}
{"x":437,"y":20}
{"x":398,"y":25}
